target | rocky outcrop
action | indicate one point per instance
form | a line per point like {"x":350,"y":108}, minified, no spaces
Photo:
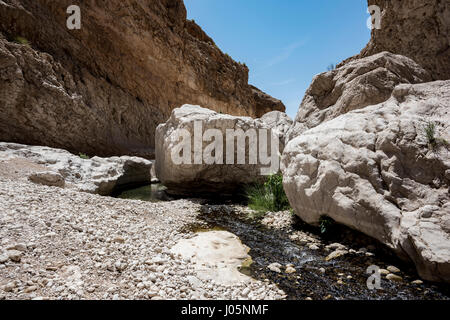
{"x":222,"y":174}
{"x":53,"y":167}
{"x":355,"y":85}
{"x":103,"y":89}
{"x":382,"y":170}
{"x":418,"y":29}
{"x":215,"y":255}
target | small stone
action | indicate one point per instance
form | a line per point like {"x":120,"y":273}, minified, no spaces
{"x":393,"y":269}
{"x":3,"y":258}
{"x":308,"y":298}
{"x":119,"y":240}
{"x":245,"y":292}
{"x":384,"y":272}
{"x":15,"y":255}
{"x":275,"y":267}
{"x":313,"y":247}
{"x":290,"y":270}
{"x":9,"y":287}
{"x":394,"y":277}
{"x":30,"y":289}
{"x":322,"y":270}
{"x":336,"y":254}
{"x":418,"y":282}
{"x":19,"y":247}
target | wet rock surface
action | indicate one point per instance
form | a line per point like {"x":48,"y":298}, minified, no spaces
{"x":279,"y":243}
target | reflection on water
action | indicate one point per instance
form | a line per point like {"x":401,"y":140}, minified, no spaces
{"x":151,"y":193}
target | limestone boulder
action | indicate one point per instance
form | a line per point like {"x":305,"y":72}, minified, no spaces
{"x":382,"y":170}
{"x":224,"y":175}
{"x":280,"y":122}
{"x":95,"y":175}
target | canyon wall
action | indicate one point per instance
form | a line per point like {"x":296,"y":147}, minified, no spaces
{"x":104,"y":88}
{"x":418,"y":29}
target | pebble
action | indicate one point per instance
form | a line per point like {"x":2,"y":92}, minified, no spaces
{"x":393,"y":269}
{"x":14,"y":255}
{"x":336,"y":254}
{"x":322,"y":270}
{"x":290,"y":270}
{"x":19,"y":247}
{"x":3,"y":258}
{"x":313,"y":247}
{"x":275,"y":267}
{"x":384,"y":272}
{"x":394,"y":277}
{"x":417,"y":282}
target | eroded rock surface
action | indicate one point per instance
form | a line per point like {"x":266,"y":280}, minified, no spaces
{"x":105,"y":94}
{"x":191,"y":177}
{"x":95,"y":175}
{"x":215,"y":255}
{"x":355,"y":85}
{"x":375,"y":170}
{"x":418,"y":29}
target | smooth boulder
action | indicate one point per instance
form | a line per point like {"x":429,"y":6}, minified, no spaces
{"x":208,"y":178}
{"x":377,"y":170}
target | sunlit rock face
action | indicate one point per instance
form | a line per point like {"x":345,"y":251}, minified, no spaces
{"x":354,"y":85}
{"x":418,"y":29}
{"x":104,"y":88}
{"x":180,"y":171}
{"x":379,"y":170}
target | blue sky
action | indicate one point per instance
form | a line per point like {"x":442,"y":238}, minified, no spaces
{"x":284,"y":42}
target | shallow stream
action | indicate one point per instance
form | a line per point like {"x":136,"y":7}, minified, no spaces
{"x":344,"y":277}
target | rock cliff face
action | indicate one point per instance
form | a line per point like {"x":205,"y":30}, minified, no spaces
{"x":355,"y":85}
{"x":103,"y":89}
{"x":418,"y":29}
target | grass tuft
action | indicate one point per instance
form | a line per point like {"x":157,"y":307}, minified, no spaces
{"x":268,"y":197}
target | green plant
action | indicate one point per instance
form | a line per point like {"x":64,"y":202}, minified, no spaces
{"x":430,"y":131}
{"x":21,"y":40}
{"x":83,"y":156}
{"x":326,"y":224}
{"x":433,"y":141}
{"x":269,"y":196}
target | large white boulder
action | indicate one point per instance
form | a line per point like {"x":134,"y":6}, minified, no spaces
{"x":203,"y":177}
{"x":375,"y":170}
